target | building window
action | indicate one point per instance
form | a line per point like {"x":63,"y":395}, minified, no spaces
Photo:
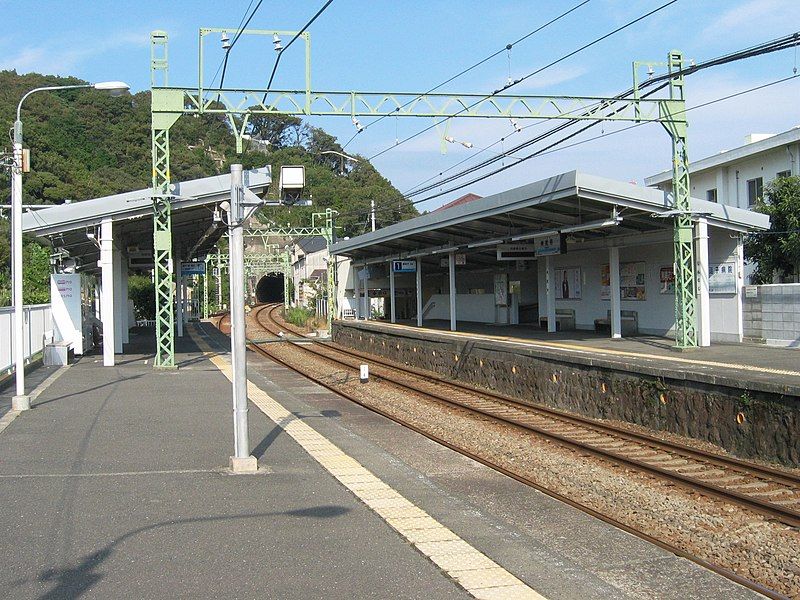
{"x":783,"y":174}
{"x":755,"y":190}
{"x":711,"y":195}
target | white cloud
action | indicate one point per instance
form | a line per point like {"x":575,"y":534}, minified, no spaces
{"x":63,"y":57}
{"x":742,"y":18}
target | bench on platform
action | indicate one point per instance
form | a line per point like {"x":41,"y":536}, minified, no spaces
{"x":629,"y":323}
{"x":348,"y":313}
{"x":565,"y":320}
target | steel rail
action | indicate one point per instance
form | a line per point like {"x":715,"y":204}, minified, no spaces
{"x":720,"y":570}
{"x":769,"y":509}
{"x":767,"y":473}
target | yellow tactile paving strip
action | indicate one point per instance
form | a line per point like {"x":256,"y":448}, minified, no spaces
{"x":577,"y":348}
{"x":479,"y":575}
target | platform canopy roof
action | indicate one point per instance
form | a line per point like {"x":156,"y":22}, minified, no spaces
{"x":593,"y":212}
{"x":73,"y":226}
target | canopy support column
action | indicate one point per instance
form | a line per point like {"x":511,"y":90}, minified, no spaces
{"x":451,"y":262}
{"x":613,"y":280}
{"x":107,"y":290}
{"x":550,"y":282}
{"x":393,"y":312}
{"x":420,"y":306}
{"x":703,"y":307}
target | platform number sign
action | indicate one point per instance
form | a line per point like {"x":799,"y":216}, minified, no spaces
{"x":404,"y":266}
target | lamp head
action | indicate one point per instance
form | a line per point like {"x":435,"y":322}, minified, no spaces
{"x":115,"y":87}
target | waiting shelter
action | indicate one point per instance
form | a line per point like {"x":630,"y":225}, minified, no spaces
{"x":102,"y":239}
{"x":573,"y":251}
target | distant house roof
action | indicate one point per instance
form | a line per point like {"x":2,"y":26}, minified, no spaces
{"x":726,"y":156}
{"x":318,"y":274}
{"x":458,"y":201}
{"x":312,"y":244}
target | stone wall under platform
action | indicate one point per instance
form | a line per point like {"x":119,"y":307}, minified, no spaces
{"x":749,"y":419}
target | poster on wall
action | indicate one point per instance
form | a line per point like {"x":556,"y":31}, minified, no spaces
{"x":568,"y":283}
{"x":501,"y":289}
{"x":666,"y":280}
{"x":722,"y":278}
{"x":631,"y":281}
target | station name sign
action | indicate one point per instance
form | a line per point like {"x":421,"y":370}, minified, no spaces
{"x":404,"y":266}
{"x":193,"y":268}
{"x":545,"y":245}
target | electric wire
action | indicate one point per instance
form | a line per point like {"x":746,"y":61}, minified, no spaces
{"x":239,"y":30}
{"x":286,"y":47}
{"x":505,"y":48}
{"x":757,"y":50}
{"x":531,"y":74}
{"x":551,"y":148}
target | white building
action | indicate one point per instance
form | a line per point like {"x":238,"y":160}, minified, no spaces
{"x":737,"y":177}
{"x":309,"y":268}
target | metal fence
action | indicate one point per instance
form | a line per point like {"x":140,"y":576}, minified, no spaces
{"x":38,"y":331}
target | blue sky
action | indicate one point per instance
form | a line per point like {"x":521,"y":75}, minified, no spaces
{"x":412,"y":46}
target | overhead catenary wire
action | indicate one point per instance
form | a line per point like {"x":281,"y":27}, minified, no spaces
{"x":775,"y":45}
{"x":551,"y":148}
{"x":531,"y":74}
{"x":239,"y":30}
{"x":505,"y":48}
{"x":286,"y":47}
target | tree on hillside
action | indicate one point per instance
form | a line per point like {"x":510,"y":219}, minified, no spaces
{"x":87,"y":144}
{"x":777,"y":252}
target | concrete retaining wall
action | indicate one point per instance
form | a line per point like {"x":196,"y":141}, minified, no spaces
{"x":772,"y":314}
{"x":770,"y":422}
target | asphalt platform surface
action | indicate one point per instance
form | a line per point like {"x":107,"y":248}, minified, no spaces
{"x":114,"y":485}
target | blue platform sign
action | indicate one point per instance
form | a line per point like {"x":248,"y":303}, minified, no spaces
{"x":193,"y":268}
{"x":404,"y":266}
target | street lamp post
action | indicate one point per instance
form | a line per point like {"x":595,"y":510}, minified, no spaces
{"x":21,"y":401}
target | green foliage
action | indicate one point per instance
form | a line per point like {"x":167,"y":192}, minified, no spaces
{"x":778,"y":252}
{"x":142,"y":291}
{"x":35,"y":274}
{"x":297,"y":315}
{"x":87,"y":144}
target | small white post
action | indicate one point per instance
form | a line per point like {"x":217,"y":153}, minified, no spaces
{"x":613,"y":280}
{"x":419,"y":292}
{"x":703,"y":307}
{"x":452,"y":268}
{"x":550,"y":282}
{"x":393,"y":312}
{"x":107,"y":291}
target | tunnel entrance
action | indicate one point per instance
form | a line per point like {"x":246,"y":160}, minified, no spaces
{"x":270,"y":288}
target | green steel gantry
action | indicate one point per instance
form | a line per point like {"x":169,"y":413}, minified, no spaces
{"x":170,"y":103}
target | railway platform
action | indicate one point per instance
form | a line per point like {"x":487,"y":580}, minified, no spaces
{"x":114,"y":484}
{"x":750,"y":366}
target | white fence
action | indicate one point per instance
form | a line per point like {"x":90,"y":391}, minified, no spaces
{"x":38,"y":329}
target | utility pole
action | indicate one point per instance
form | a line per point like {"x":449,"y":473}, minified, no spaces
{"x":372,"y":212}
{"x":242,"y":461}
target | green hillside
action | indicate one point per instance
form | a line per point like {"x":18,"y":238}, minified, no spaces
{"x":86,"y":143}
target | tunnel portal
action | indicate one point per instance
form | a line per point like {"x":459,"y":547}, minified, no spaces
{"x":270,"y":288}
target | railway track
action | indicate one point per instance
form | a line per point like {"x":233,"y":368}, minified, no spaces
{"x":770,"y":492}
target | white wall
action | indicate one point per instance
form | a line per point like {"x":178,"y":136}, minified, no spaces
{"x":730,"y":180}
{"x":656,"y":314}
{"x":478,"y":308}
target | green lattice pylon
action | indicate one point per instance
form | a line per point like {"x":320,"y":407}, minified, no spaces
{"x":685,"y":268}
{"x":162,"y":207}
{"x":170,"y":103}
